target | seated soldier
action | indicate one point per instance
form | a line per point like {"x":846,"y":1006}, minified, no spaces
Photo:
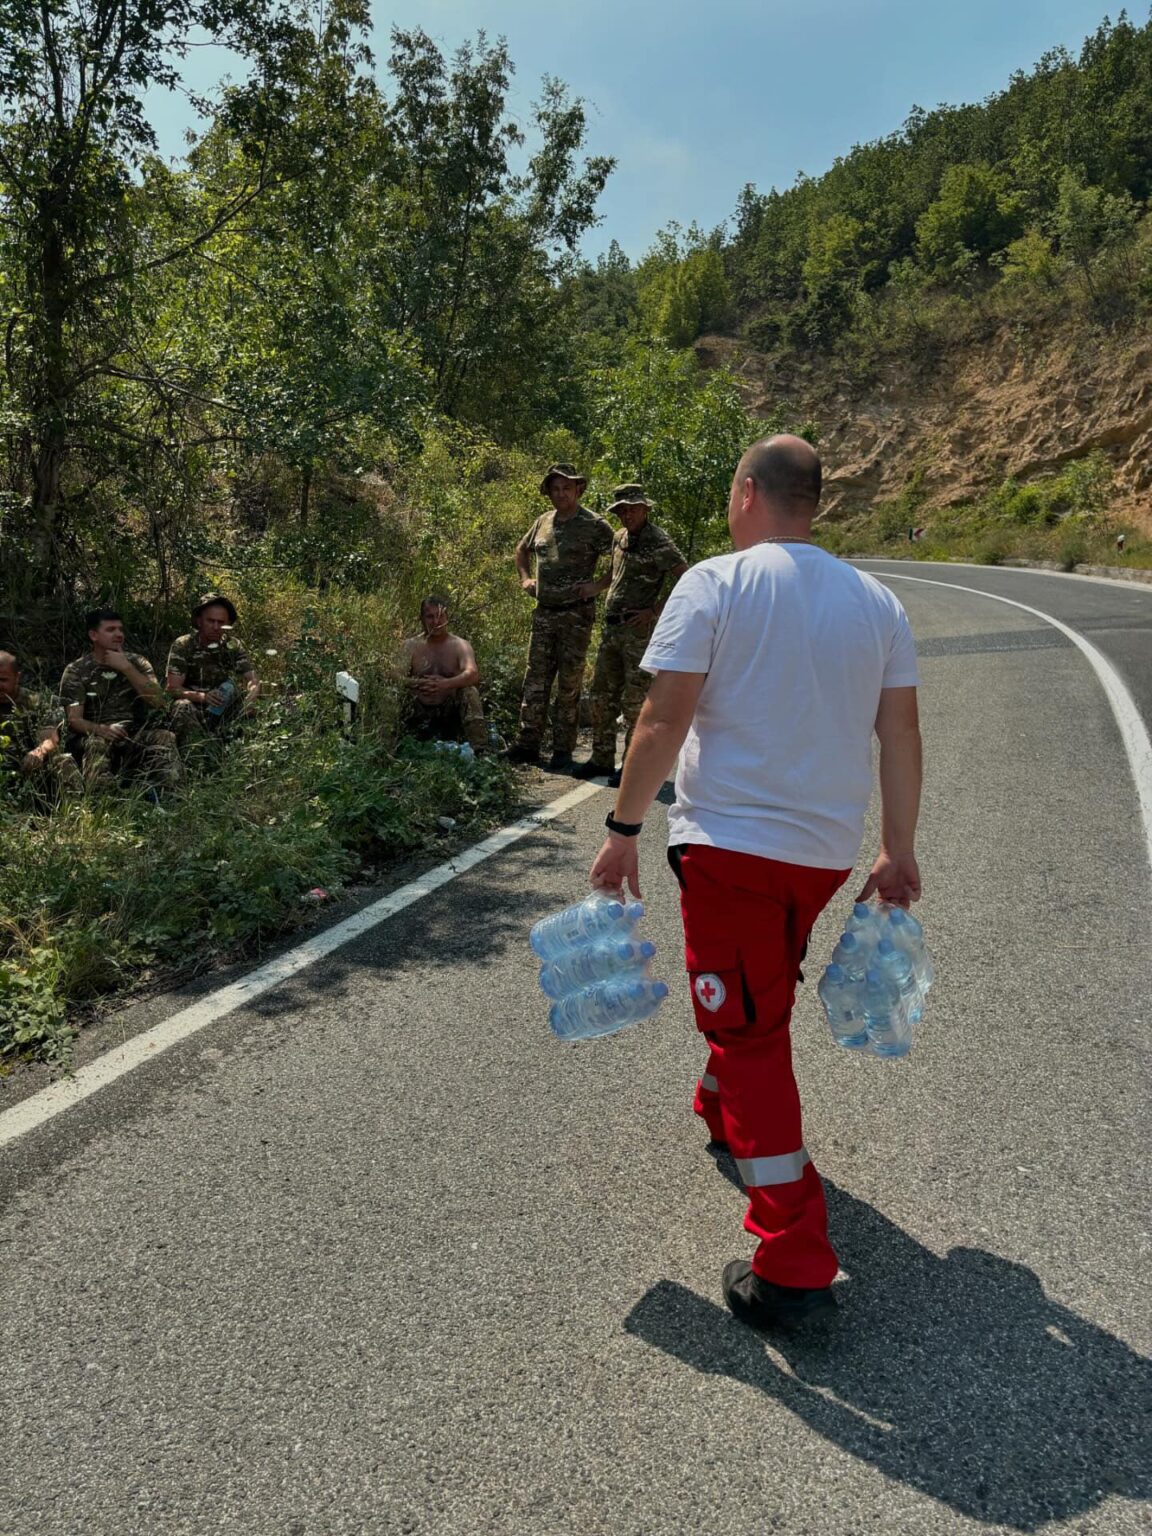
{"x":209,"y":672}
{"x":442,"y":675}
{"x":30,"y":734}
{"x":116,"y":710}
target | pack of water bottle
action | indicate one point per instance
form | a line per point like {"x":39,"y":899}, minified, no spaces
{"x":596,"y":968}
{"x":874,"y":990}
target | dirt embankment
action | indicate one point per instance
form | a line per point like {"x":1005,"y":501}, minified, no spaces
{"x":1013,"y":406}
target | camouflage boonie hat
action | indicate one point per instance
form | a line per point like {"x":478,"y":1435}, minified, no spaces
{"x":209,"y":599}
{"x":631,"y":495}
{"x":565,"y":471}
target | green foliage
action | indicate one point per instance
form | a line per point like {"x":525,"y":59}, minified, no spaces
{"x":660,"y":419}
{"x":1046,"y":177}
{"x":103,"y":890}
{"x":974,"y":215}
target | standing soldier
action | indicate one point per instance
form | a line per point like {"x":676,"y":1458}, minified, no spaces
{"x":117,"y":708}
{"x":645,"y":566}
{"x":566,"y":544}
{"x":30,"y":734}
{"x":210,"y":674}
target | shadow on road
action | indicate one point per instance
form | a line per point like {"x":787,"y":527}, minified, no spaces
{"x":957,"y":1376}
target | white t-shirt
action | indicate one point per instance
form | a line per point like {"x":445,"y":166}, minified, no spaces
{"x":797,"y":646}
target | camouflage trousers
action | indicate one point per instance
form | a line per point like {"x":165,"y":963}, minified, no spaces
{"x":150,"y":754}
{"x":618,"y":687}
{"x":55,"y":777}
{"x":556,"y":653}
{"x":191,"y":722}
{"x":459,"y":717}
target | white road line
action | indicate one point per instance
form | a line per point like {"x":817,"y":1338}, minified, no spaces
{"x":58,"y":1097}
{"x":1133,"y":732}
{"x":1012,"y":570}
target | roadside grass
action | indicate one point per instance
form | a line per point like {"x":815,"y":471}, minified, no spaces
{"x":1062,"y":518}
{"x":105,"y":892}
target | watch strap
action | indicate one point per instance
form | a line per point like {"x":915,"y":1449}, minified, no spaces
{"x":623,"y":828}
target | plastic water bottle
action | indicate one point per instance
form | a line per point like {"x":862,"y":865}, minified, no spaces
{"x":605,"y":1007}
{"x":852,"y":956}
{"x":597,"y":916}
{"x":462,"y":749}
{"x":841,"y":1001}
{"x":864,"y":922}
{"x":889,"y":1032}
{"x":227,"y":692}
{"x":907,"y":933}
{"x":589,"y":963}
{"x":899,"y":969}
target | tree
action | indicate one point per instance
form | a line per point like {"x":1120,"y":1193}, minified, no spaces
{"x":660,"y":419}
{"x":72,"y":131}
{"x":975,"y":213}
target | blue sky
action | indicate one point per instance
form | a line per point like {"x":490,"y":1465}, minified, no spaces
{"x":695,"y":100}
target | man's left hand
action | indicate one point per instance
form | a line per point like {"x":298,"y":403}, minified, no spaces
{"x":617,"y":864}
{"x":641,"y":618}
{"x":116,"y":661}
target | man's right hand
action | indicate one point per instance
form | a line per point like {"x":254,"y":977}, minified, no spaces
{"x":895,"y":878}
{"x":113,"y":732}
{"x":529,"y":586}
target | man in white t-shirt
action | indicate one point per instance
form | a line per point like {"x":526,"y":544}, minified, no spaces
{"x":773,"y":667}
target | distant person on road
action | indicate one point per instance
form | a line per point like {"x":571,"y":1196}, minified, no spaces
{"x":442,"y":678}
{"x":117,"y":711}
{"x":557,"y":560}
{"x":209,"y":674}
{"x":773,"y":666}
{"x":30,"y":734}
{"x":645,"y":565}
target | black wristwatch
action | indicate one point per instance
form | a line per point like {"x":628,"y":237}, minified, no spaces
{"x":623,"y":828}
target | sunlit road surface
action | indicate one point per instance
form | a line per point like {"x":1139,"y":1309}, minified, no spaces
{"x":377,"y":1254}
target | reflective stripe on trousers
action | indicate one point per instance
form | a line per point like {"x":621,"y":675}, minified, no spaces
{"x":784,"y":1168}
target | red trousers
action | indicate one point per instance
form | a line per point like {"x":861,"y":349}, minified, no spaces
{"x":746,"y":925}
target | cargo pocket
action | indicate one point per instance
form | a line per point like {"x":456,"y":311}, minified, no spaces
{"x":720,"y":996}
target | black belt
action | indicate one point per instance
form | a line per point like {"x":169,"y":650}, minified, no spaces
{"x":565,"y":607}
{"x":621,"y":618}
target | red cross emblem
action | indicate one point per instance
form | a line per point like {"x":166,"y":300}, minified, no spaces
{"x":710,"y":992}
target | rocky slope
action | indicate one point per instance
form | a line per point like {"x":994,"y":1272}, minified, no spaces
{"x":1007,"y":407}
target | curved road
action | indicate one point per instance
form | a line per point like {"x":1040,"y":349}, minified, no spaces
{"x":375,"y":1254}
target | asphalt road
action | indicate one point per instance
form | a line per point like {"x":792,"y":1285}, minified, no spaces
{"x":377,"y":1254}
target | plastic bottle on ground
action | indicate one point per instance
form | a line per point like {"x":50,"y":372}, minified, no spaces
{"x":841,"y":1001}
{"x":889,"y":1032}
{"x":605,"y":1007}
{"x":597,"y":916}
{"x":588,"y":963}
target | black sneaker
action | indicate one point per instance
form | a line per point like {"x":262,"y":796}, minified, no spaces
{"x":763,"y":1304}
{"x":561,"y":762}
{"x":614,"y":778}
{"x":522,"y":754}
{"x":592,"y":770}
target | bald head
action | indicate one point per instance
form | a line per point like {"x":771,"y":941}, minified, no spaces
{"x":786,"y":472}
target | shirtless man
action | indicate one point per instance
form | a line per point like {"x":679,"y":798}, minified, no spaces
{"x":442,"y":675}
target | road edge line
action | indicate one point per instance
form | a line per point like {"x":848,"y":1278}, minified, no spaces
{"x":39,"y":1108}
{"x":1133,"y":732}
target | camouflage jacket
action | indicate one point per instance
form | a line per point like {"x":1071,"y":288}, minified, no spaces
{"x":640,"y":564}
{"x":207,"y":666}
{"x":106,"y":697}
{"x":23,"y":721}
{"x":566,"y":554}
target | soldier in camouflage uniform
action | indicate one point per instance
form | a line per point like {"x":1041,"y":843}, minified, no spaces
{"x":30,"y":735}
{"x":645,"y":567}
{"x":566,"y":544}
{"x":117,"y":711}
{"x":209,"y":670}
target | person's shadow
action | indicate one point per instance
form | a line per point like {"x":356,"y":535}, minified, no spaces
{"x":957,"y":1375}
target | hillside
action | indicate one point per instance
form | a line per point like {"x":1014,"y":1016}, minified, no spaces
{"x":1019,"y":406}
